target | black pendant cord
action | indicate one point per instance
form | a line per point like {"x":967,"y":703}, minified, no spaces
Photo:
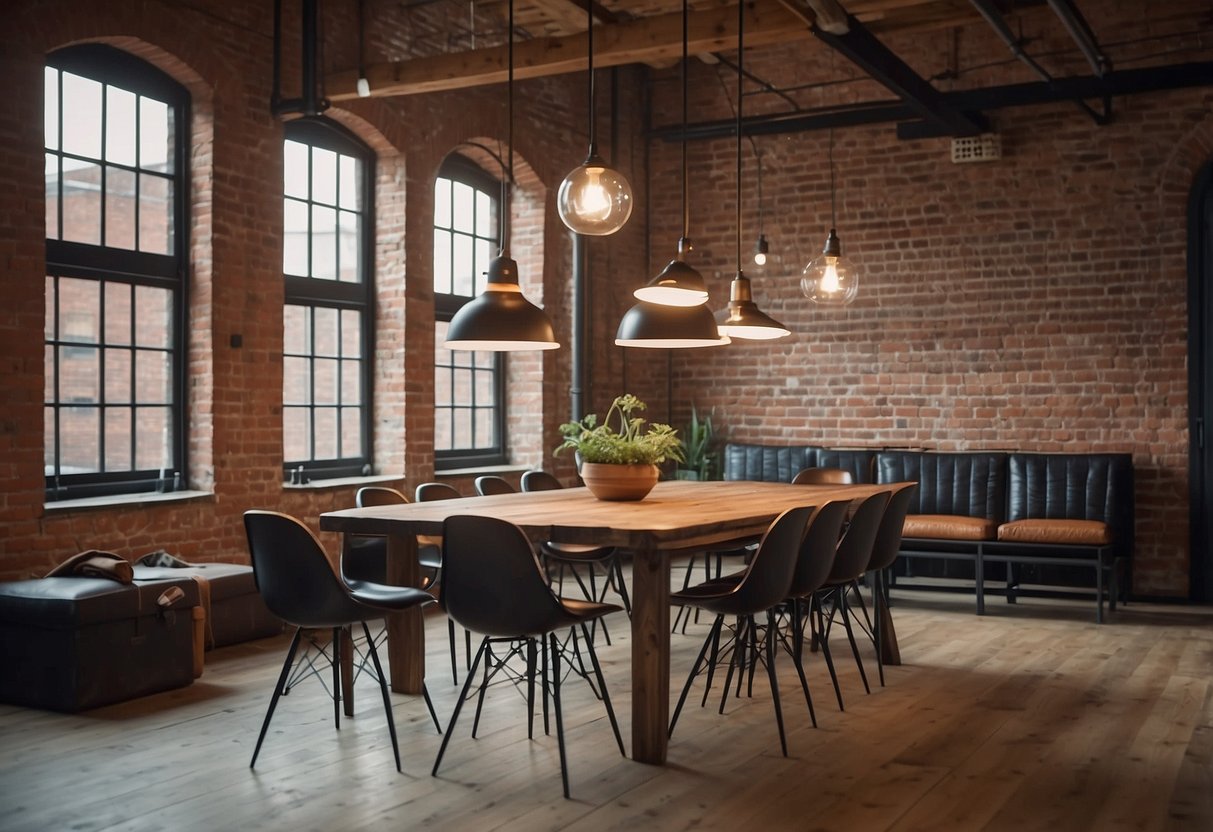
{"x":758,"y":162}
{"x":740,"y":99}
{"x":506,"y":190}
{"x":686,"y":201}
{"x":833,"y":205}
{"x":589,"y":31}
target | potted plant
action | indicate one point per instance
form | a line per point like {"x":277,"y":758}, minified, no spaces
{"x":699,"y":458}
{"x":620,"y":464}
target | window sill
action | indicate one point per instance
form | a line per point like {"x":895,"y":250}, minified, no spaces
{"x":443,"y":473}
{"x":124,"y":501}
{"x":342,"y":482}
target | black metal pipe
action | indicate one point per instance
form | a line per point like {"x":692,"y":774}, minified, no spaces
{"x":276,"y":91}
{"x":308,"y":59}
{"x":1080,"y":31}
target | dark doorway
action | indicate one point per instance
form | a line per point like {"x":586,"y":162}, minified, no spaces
{"x":1200,"y":381}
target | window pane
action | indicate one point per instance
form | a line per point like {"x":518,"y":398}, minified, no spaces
{"x":351,"y":333}
{"x":324,"y":176}
{"x":483,"y":256}
{"x":294,"y":237}
{"x":326,"y":433}
{"x":325,"y":381}
{"x":52,"y":196}
{"x":48,"y":378}
{"x":118,"y":439}
{"x":484,"y":428}
{"x":484,"y":359}
{"x":82,"y":106}
{"x":296,"y":381}
{"x":119,"y":126}
{"x":484,"y":387}
{"x":296,"y":433}
{"x":324,"y":243}
{"x":155,"y":214}
{"x":350,"y":170}
{"x":462,"y":392}
{"x":463,"y":208}
{"x":351,"y":383}
{"x":442,"y":262}
{"x":81,"y":202}
{"x":119,"y":208}
{"x":442,"y":202}
{"x":461,"y":266}
{"x":153,"y":316}
{"x":78,"y":445}
{"x":50,"y":112}
{"x":153,"y":377}
{"x":79,"y":306}
{"x":117,"y":376}
{"x":348,"y":248}
{"x":117,"y":313}
{"x":153,"y":438}
{"x":155,"y":135}
{"x":325,"y":321}
{"x":442,"y":430}
{"x":294,"y":169}
{"x":50,"y":449}
{"x":294,"y":329}
{"x":351,"y":432}
{"x":462,"y":436}
{"x":485,"y":225}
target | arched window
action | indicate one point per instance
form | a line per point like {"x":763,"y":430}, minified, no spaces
{"x":328,"y":178}
{"x":116,"y":230}
{"x":469,"y":389}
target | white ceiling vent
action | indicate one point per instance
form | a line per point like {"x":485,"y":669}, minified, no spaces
{"x":984,"y":148}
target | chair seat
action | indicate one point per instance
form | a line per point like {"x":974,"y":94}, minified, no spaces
{"x":387,"y":597}
{"x":716,"y":586}
{"x":576,"y":551}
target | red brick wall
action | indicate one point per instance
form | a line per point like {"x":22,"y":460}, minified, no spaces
{"x":1034,"y":303}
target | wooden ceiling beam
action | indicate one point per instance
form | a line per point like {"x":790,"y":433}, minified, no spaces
{"x":635,"y":41}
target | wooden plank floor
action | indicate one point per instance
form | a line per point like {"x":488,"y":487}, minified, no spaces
{"x":1029,"y":718}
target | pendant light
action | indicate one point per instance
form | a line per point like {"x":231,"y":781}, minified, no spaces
{"x":742,"y":318}
{"x":678,"y":284}
{"x":501,"y":319}
{"x":831,"y":279}
{"x":594,"y":199}
{"x":761,"y":248}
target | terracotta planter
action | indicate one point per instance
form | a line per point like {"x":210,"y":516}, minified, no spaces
{"x":618,"y":482}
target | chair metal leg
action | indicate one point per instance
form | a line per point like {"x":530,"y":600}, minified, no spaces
{"x":606,"y":698}
{"x":484,"y":683}
{"x":824,"y":643}
{"x":336,"y":646}
{"x":564,"y":768}
{"x":796,"y":659}
{"x":714,"y":638}
{"x":880,"y":603}
{"x":278,"y":689}
{"x":841,"y":600}
{"x":530,"y":688}
{"x":715,"y":632}
{"x":450,"y":727}
{"x":770,"y":649}
{"x":387,"y":700}
{"x":450,"y":627}
{"x":735,"y":660}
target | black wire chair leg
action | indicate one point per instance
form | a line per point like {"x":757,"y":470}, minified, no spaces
{"x":796,"y":660}
{"x":450,"y":626}
{"x":606,"y":698}
{"x":715,"y":632}
{"x":530,"y":688}
{"x":846,"y":622}
{"x":735,"y":661}
{"x":825,"y":652}
{"x":387,"y":700}
{"x":714,"y":637}
{"x":337,"y":677}
{"x":543,"y":672}
{"x":620,"y":586}
{"x":753,"y":654}
{"x":278,"y":689}
{"x":880,"y":603}
{"x":564,"y":768}
{"x":770,"y":649}
{"x":450,"y":727}
{"x":489,"y":658}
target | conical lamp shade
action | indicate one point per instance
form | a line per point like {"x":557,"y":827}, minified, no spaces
{"x":501,"y":319}
{"x":656,"y":326}
{"x":743,"y":319}
{"x":677,"y":285}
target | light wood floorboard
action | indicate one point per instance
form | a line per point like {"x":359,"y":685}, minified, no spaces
{"x":1031,"y":717}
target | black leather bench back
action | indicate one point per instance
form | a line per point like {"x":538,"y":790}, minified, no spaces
{"x":972,"y":485}
{"x":1075,"y":487}
{"x":767,"y":463}
{"x":861,"y":463}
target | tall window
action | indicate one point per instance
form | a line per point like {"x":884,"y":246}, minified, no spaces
{"x":327,"y":334}
{"x":115,"y":287}
{"x":469,"y":404}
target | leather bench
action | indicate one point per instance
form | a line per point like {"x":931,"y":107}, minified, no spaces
{"x":235,"y":611}
{"x":773,"y":463}
{"x":71,"y":643}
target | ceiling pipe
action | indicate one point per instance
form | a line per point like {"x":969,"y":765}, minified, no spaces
{"x":1081,"y":32}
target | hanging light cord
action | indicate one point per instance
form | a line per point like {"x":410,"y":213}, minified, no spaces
{"x":833,"y":205}
{"x":740,"y":80}
{"x":758,"y":162}
{"x":589,"y":31}
{"x":686,"y":202}
{"x":506,"y":193}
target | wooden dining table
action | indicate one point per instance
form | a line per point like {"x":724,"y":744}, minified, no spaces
{"x":676,"y":517}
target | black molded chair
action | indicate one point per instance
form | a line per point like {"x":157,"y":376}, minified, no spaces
{"x":298,"y":585}
{"x":884,"y":551}
{"x":491,"y":484}
{"x":761,"y":588}
{"x":430,"y":492}
{"x":850,"y":562}
{"x":493,"y":585}
{"x":571,"y":555}
{"x":823,"y":476}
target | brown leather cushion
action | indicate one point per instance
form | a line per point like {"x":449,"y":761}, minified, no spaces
{"x":949,"y":527}
{"x":1087,"y":532}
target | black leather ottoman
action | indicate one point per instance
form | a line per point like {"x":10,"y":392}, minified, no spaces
{"x":236,"y":612}
{"x":68,"y":644}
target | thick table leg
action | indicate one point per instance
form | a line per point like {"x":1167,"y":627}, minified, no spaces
{"x":405,"y":630}
{"x":650,"y":656}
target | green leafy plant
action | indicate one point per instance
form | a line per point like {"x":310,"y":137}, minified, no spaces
{"x":631,"y":444}
{"x":699,"y":456}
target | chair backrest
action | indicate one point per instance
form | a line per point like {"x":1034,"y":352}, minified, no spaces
{"x":293,"y":574}
{"x":540,"y":481}
{"x":490,"y":484}
{"x":428,"y":492}
{"x":769,"y":576}
{"x":492,"y":582}
{"x":819,"y":548}
{"x":888,"y":536}
{"x":378,"y":495}
{"x":855,"y":548}
{"x":823,"y":476}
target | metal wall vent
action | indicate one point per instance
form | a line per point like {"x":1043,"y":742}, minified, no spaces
{"x":984,"y":148}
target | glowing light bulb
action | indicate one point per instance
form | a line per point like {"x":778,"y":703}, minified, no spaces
{"x":829,"y":279}
{"x":594,"y":199}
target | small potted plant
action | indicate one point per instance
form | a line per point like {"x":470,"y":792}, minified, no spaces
{"x":621,"y":464}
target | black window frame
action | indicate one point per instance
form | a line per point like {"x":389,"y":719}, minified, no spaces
{"x":359,"y":295}
{"x":106,"y":265}
{"x":459,"y":168}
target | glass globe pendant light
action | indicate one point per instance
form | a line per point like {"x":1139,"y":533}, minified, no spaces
{"x":831,"y":279}
{"x":594,"y":199}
